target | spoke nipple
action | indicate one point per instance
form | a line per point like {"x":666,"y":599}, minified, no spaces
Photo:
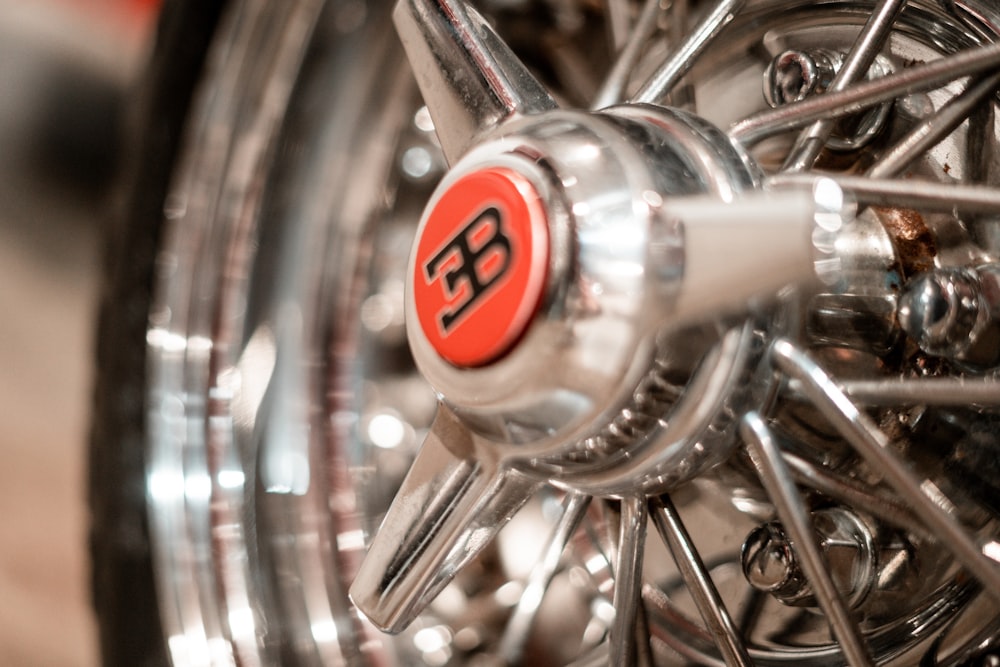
{"x":795,"y":75}
{"x":949,"y":313}
{"x":769,"y":563}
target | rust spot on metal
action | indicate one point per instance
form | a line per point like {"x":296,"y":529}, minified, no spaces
{"x":913,"y":239}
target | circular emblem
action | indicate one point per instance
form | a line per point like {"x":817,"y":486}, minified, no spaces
{"x":480,"y":266}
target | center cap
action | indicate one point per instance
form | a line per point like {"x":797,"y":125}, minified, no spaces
{"x":480,"y":266}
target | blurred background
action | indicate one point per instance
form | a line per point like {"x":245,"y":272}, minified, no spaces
{"x":66,"y":68}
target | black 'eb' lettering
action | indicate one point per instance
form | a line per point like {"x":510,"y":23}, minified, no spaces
{"x":469,"y":259}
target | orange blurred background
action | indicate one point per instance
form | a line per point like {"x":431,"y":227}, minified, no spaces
{"x":66,"y":67}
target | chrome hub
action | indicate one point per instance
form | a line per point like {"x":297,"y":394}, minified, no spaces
{"x":552,"y":268}
{"x":551,"y":259}
{"x":661,"y":305}
{"x":563,"y":241}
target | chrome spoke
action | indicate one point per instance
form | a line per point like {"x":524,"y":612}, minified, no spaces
{"x":928,"y":133}
{"x":667,"y":620}
{"x":860,"y":58}
{"x":574,"y":507}
{"x":447,"y":510}
{"x":685,"y":54}
{"x":590,"y":299}
{"x":790,"y":507}
{"x":469,"y":77}
{"x":643,"y":647}
{"x":927,"y":391}
{"x":925,"y":500}
{"x":925,"y":195}
{"x":619,"y":22}
{"x":866,"y":94}
{"x":699,"y":581}
{"x":853,"y":494}
{"x":613,"y":87}
{"x":628,"y":581}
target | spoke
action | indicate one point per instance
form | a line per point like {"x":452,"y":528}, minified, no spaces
{"x":449,"y":507}
{"x":699,"y":582}
{"x":790,"y":507}
{"x":612,"y":89}
{"x":683,"y":57}
{"x":619,"y":20}
{"x":924,"y":195}
{"x":628,"y":581}
{"x":852,"y":493}
{"x":516,"y":633}
{"x":925,"y":500}
{"x":469,"y":78}
{"x":928,"y":133}
{"x":668,"y":624}
{"x":643,"y":647}
{"x":866,"y":94}
{"x":860,"y":58}
{"x":930,"y":391}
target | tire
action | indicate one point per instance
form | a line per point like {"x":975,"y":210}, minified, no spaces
{"x":122,"y":573}
{"x":257,"y":407}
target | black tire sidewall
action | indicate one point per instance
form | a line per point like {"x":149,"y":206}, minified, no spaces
{"x":123,"y":591}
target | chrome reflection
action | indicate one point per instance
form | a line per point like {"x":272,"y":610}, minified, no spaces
{"x":284,"y":411}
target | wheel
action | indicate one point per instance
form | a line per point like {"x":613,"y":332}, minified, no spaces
{"x":409,"y":342}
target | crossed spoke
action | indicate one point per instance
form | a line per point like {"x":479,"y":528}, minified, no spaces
{"x":472,"y":82}
{"x":859,"y":59}
{"x":864,"y":95}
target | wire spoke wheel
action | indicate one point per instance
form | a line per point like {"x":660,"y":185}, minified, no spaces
{"x":576,"y":332}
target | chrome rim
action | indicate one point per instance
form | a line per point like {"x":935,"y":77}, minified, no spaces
{"x":809,"y":423}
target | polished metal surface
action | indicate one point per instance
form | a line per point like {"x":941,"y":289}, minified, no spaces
{"x":795,"y":75}
{"x":470,"y":78}
{"x":476,"y":465}
{"x":706,"y":328}
{"x":195,"y":476}
{"x":865,"y":95}
{"x":769,"y":562}
{"x":790,"y":509}
{"x":612,"y":90}
{"x":934,"y":129}
{"x":939,"y":197}
{"x":925,"y":499}
{"x":659,"y":85}
{"x":953,"y":313}
{"x":855,"y":66}
{"x":846,"y":542}
{"x":505,"y":400}
{"x":453,"y":502}
{"x":699,"y":581}
{"x":213,"y":361}
{"x":613,"y":269}
{"x":515,"y":634}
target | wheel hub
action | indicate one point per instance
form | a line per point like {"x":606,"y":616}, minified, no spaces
{"x":582,"y":317}
{"x":551,"y":259}
{"x":553,"y":271}
{"x":550,"y":271}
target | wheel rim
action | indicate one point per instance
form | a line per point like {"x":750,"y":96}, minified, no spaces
{"x":284,"y":411}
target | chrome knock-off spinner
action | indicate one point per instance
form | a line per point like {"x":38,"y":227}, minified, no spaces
{"x":550,"y":269}
{"x":282,"y":411}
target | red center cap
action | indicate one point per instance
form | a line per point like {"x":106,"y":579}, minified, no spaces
{"x":480,"y":266}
